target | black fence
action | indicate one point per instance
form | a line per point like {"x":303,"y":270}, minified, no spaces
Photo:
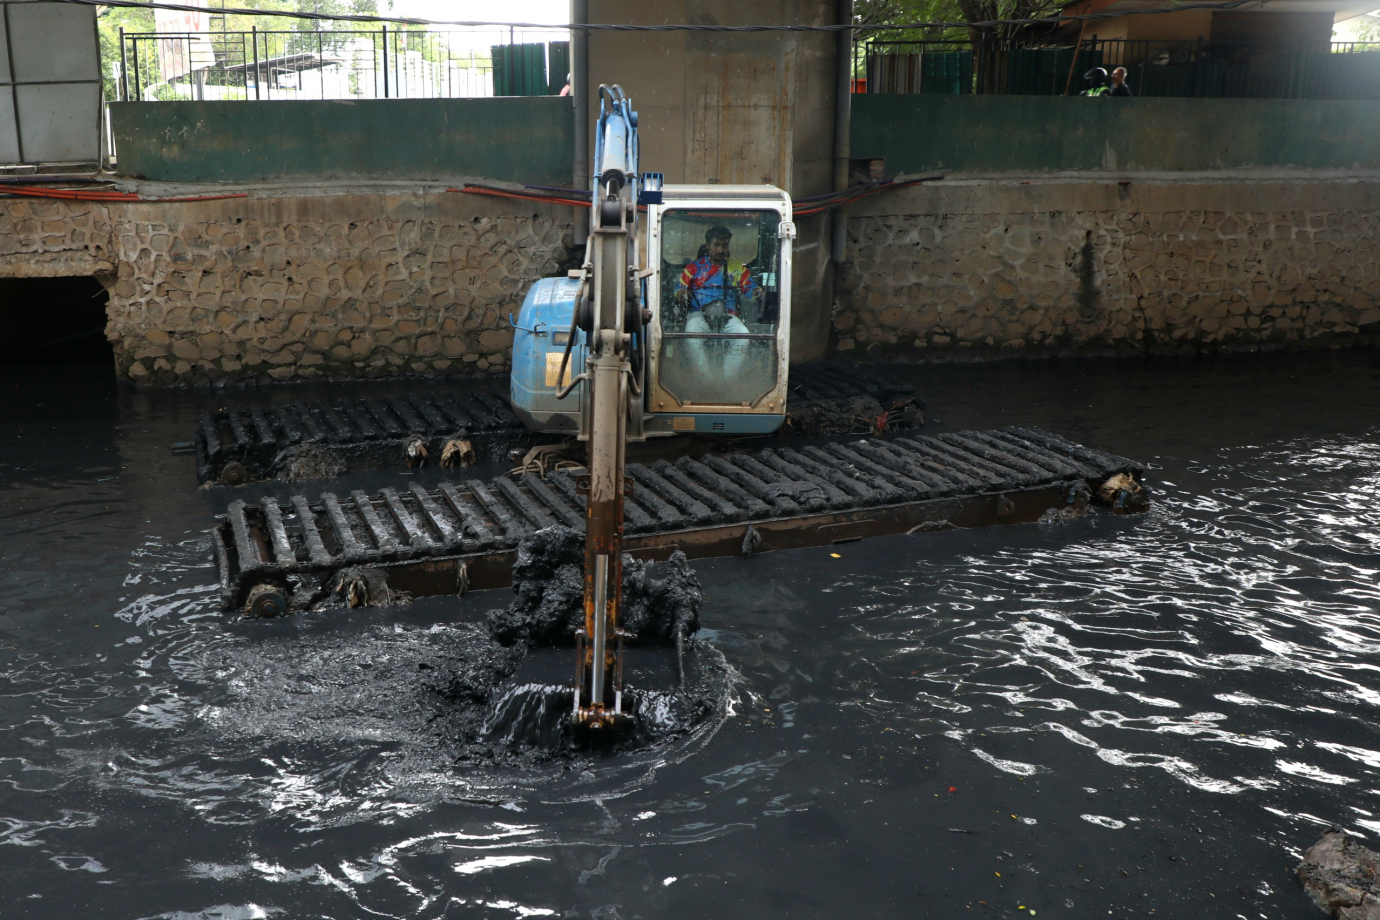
{"x":382,"y":63}
{"x":1201,"y":69}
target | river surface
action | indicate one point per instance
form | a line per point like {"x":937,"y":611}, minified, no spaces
{"x":1145,"y":716}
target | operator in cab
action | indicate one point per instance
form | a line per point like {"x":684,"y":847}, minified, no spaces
{"x":718,"y":292}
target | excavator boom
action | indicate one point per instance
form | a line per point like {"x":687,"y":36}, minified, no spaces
{"x":610,"y":314}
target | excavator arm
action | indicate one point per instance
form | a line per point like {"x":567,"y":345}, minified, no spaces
{"x":610,"y":314}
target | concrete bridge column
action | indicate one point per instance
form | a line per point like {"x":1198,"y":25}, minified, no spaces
{"x":735,"y":108}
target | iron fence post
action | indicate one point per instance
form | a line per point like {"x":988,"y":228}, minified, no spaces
{"x":135,"y":47}
{"x":254,"y":37}
{"x":124,"y":69}
{"x":385,"y":62}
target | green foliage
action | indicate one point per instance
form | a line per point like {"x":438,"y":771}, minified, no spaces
{"x":110,"y":20}
{"x":881,"y":12}
{"x":242,"y":23}
{"x":1368,"y":32}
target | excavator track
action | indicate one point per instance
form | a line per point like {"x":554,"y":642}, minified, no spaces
{"x":236,"y":445}
{"x":464,"y":534}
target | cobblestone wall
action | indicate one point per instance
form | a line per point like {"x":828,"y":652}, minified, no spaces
{"x":302,"y":287}
{"x":279,"y":287}
{"x":980,"y":268}
{"x":49,"y":239}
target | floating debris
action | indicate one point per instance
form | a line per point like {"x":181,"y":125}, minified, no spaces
{"x":1339,"y":873}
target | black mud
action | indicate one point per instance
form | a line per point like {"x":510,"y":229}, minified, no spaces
{"x":853,"y":415}
{"x":305,"y":462}
{"x":548,"y":579}
{"x":491,"y":714}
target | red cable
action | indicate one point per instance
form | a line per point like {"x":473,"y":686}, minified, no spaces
{"x":519,"y":195}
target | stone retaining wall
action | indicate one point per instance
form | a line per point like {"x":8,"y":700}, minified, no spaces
{"x":988,"y":267}
{"x":281,"y":287}
{"x":389,"y":283}
{"x":40,"y":238}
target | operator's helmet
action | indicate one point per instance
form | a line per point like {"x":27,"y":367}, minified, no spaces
{"x":1097,"y":76}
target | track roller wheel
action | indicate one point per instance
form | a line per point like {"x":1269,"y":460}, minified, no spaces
{"x":266,"y":600}
{"x":234,"y":474}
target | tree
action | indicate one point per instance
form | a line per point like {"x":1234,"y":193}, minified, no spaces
{"x":885,"y":12}
{"x":110,"y":20}
{"x":986,"y":40}
{"x":882,"y":12}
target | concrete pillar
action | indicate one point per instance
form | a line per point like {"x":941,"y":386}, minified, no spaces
{"x":735,"y":108}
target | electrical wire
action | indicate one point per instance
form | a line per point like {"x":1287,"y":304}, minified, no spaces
{"x":53,"y":179}
{"x":818,"y":203}
{"x":75,"y":194}
{"x":802,"y":207}
{"x":1172,"y":7}
{"x":474,"y":189}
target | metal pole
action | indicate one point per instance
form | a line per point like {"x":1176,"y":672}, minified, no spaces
{"x":254,"y":36}
{"x":134,"y":48}
{"x":124,"y":69}
{"x":1073,"y":64}
{"x":843,"y":110}
{"x":579,"y":96}
{"x":385,"y":62}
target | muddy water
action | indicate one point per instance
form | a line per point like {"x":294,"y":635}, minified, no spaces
{"x":1146,"y":717}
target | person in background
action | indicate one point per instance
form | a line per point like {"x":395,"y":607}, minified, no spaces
{"x":565,"y":90}
{"x":1097,"y":82}
{"x":1119,"y":86}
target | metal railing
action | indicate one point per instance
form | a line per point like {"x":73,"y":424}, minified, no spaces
{"x":1202,"y":69}
{"x":386,"y":63}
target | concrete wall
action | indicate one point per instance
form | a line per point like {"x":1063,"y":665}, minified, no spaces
{"x":517,"y":139}
{"x":1022,"y":265}
{"x":747,"y":108}
{"x":298,"y":286}
{"x":1034,"y":133}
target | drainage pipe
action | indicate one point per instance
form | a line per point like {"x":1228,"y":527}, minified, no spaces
{"x":579,"y":95}
{"x":843,"y":107}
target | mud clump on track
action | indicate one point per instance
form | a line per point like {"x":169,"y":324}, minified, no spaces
{"x":548,"y":578}
{"x":491,"y":715}
{"x":305,"y":462}
{"x":853,"y":415}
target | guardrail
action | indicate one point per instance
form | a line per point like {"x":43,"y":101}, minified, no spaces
{"x":385,"y":63}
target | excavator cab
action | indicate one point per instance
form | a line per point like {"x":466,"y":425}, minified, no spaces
{"x":720,"y":304}
{"x":716,"y":279}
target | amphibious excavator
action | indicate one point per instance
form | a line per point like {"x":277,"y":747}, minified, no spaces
{"x":678,"y":322}
{"x":685,"y":328}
